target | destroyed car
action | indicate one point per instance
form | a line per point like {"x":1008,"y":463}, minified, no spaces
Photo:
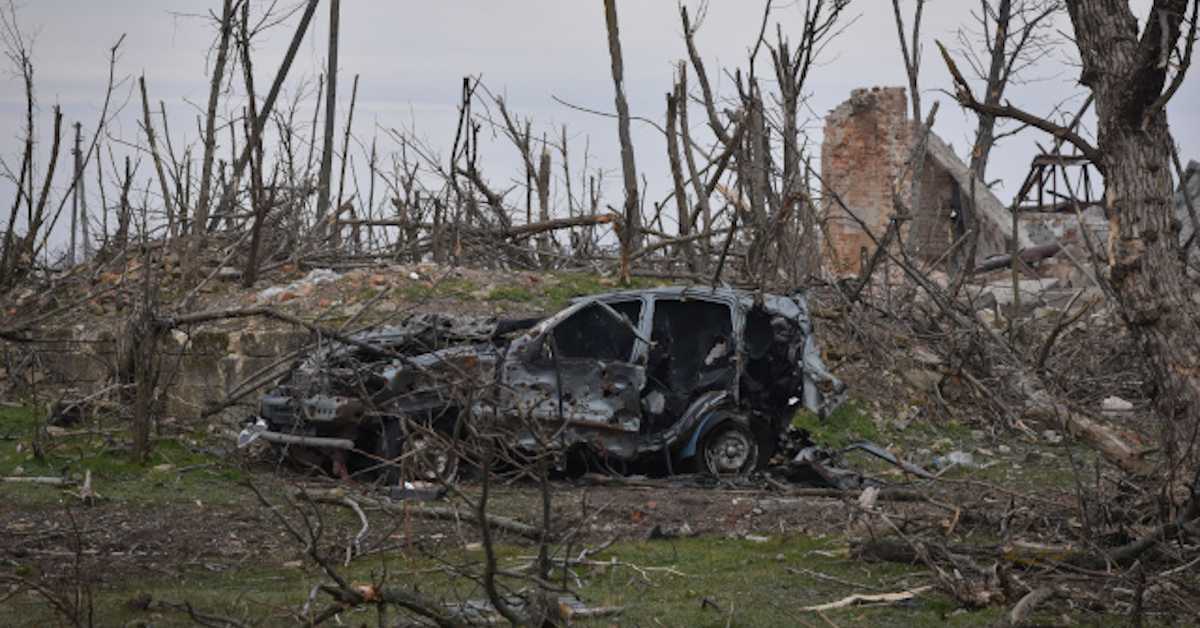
{"x":687,"y":377}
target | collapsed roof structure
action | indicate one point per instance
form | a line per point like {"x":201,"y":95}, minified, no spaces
{"x":866,"y":173}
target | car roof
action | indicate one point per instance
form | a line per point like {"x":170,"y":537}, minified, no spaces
{"x":680,"y":292}
{"x":684,"y":292}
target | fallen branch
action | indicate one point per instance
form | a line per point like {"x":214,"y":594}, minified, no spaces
{"x":1021,"y":611}
{"x":511,"y":233}
{"x":966,"y":98}
{"x":869,"y":598}
{"x":354,"y":548}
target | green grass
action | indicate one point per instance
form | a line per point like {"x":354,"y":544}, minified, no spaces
{"x":562,"y":287}
{"x":850,"y":423}
{"x":657,"y":583}
{"x":105,"y":453}
{"x":455,"y":288}
{"x":758,"y":584}
{"x":755,"y":583}
{"x":510,"y":293}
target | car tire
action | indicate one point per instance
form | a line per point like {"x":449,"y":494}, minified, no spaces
{"x":425,"y":458}
{"x":729,"y":449}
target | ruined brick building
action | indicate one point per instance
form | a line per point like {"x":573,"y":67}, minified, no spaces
{"x":864,"y":161}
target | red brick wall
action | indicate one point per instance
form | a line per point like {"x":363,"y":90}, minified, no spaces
{"x":863,"y":149}
{"x":863,"y":159}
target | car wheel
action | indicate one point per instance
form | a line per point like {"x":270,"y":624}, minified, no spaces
{"x":428,"y":459}
{"x":730,"y":449}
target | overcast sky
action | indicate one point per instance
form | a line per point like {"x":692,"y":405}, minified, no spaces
{"x":412,"y":54}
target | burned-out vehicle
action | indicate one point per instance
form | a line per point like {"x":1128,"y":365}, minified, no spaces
{"x":686,"y":377}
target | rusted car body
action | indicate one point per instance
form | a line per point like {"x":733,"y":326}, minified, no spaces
{"x":687,"y":376}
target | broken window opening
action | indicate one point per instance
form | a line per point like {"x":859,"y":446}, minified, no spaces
{"x":692,"y":352}
{"x":592,"y":333}
{"x":772,"y":373}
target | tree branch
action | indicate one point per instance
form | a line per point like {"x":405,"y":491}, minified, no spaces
{"x":962,"y":93}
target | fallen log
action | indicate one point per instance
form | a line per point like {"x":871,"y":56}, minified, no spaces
{"x":1104,"y":439}
{"x":307,"y":441}
{"x":52,"y":481}
{"x":337,"y":497}
{"x":1029,"y":255}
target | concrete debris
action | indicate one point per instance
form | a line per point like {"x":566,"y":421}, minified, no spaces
{"x":1116,"y":405}
{"x":1052,"y":437}
{"x":417,"y":491}
{"x":303,"y":286}
{"x":1000,"y":295}
{"x":955,"y":458}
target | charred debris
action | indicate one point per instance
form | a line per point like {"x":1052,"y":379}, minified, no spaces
{"x":662,"y":382}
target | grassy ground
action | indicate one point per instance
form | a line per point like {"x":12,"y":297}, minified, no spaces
{"x":186,"y":528}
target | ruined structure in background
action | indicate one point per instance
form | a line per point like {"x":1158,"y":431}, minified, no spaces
{"x":864,"y":161}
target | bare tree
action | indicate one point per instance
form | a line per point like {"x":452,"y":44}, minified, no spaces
{"x":631,"y":229}
{"x":1131,"y":79}
{"x":1015,"y":36}
{"x":792,"y":64}
{"x":910,"y":51}
{"x":325,"y":176}
{"x":201,"y":213}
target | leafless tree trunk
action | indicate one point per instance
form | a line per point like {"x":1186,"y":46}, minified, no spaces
{"x":545,"y":242}
{"x":912,"y":68}
{"x":911,"y":53}
{"x":325,"y":175}
{"x":81,"y":191}
{"x":700,"y":191}
{"x":1129,"y":78}
{"x":260,"y":123}
{"x":258,"y":203}
{"x":676,"y":101}
{"x":792,"y":67}
{"x":152,"y":143}
{"x":630,"y":231}
{"x":38,"y":218}
{"x":200,"y":213}
{"x":1016,"y":34}
{"x":75,"y":199}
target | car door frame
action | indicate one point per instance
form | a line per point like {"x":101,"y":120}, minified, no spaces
{"x":540,"y":391}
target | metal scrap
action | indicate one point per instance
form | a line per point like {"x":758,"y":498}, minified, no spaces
{"x":686,"y":377}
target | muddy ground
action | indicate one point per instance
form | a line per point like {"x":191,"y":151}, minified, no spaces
{"x":190,"y":529}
